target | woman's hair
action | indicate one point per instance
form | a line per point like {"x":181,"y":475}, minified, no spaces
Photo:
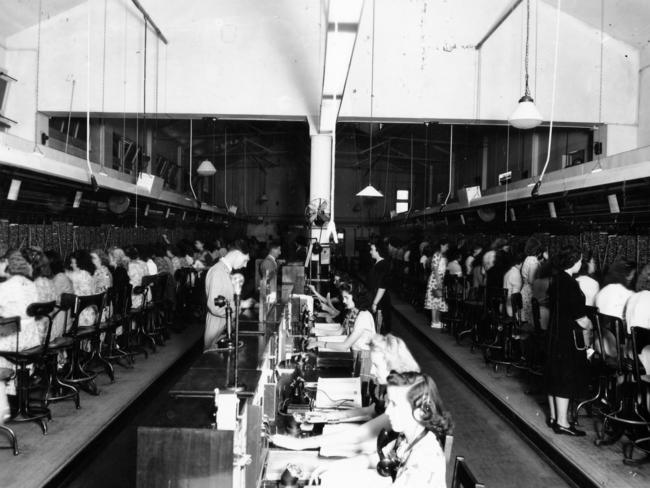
{"x":427,"y":251}
{"x":132,"y":253}
{"x":584,"y":267}
{"x":619,"y":273}
{"x":360,"y":295}
{"x":423,"y":395}
{"x":103,"y":257}
{"x":83,"y":259}
{"x":17,"y":264}
{"x":533,"y":247}
{"x":40,"y":266}
{"x":643,"y":281}
{"x":396,"y":354}
{"x":567,"y":257}
{"x":118,"y":255}
{"x":56,"y":262}
{"x":442,"y":242}
{"x":381,"y":247}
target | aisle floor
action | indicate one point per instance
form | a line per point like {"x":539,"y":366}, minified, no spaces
{"x":70,"y":431}
{"x":602,"y":465}
{"x":497,"y":455}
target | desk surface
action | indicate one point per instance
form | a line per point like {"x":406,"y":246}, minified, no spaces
{"x":250,"y":356}
{"x":201,"y":382}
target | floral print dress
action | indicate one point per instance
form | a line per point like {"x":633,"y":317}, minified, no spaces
{"x":433,"y":299}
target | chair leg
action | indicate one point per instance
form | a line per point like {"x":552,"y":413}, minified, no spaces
{"x":58,"y":390}
{"x":12,"y":438}
{"x":27,"y":413}
{"x":76,"y":373}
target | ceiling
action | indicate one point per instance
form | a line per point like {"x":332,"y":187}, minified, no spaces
{"x":626,"y":20}
{"x":16,"y":15}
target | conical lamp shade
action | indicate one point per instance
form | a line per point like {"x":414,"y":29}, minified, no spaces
{"x":370,"y":192}
{"x":206,"y":168}
{"x":526,"y":115}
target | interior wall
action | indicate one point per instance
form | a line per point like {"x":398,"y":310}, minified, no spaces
{"x":3,"y":53}
{"x":220,"y":49}
{"x":644,"y":98}
{"x":579,"y":68}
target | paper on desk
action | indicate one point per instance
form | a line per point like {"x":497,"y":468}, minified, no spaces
{"x":335,"y":338}
{"x":338,"y":393}
{"x":326,"y":327}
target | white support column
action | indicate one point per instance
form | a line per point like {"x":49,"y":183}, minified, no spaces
{"x":320,"y":180}
{"x":321,"y":170}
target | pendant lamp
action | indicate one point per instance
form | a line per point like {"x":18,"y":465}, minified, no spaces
{"x":206,"y":168}
{"x":370,"y":191}
{"x":526,"y":114}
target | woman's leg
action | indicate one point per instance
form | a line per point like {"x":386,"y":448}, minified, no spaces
{"x":561,"y":411}
{"x":551,"y":408}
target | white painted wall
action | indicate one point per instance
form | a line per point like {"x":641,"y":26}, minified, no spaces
{"x":644,"y":98}
{"x":264,"y":59}
{"x":578,"y":80}
{"x":3,"y":53}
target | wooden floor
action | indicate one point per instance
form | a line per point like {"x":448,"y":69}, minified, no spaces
{"x":602,"y":465}
{"x":43,"y":457}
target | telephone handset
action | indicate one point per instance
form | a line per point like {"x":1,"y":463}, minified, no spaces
{"x":388,"y":464}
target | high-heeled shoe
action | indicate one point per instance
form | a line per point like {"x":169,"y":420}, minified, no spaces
{"x":550,"y":422}
{"x":571,"y":430}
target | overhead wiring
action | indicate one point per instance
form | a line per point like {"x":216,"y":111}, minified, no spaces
{"x":535,"y":190}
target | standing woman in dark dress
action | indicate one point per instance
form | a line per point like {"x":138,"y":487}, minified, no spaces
{"x":566,"y":374}
{"x":378,"y":279}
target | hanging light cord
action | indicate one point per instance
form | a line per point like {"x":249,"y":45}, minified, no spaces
{"x":411,"y":180}
{"x":505,"y":216}
{"x":535,"y":190}
{"x":451,"y":161}
{"x":38,"y":70}
{"x":527,"y":89}
{"x":93,"y":181}
{"x":191,"y":146}
{"x":372,"y":90}
{"x":600,"y":89}
{"x":386,"y":183}
{"x":225,"y":167}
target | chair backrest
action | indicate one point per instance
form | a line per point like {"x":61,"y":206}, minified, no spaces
{"x":44,"y":310}
{"x":463,"y":477}
{"x":606,"y":325}
{"x":10,"y":326}
{"x":640,"y":339}
{"x":82,"y":303}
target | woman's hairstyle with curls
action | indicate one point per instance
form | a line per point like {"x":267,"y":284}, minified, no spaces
{"x":395,"y":353}
{"x":423,"y":395}
{"x":359,"y":294}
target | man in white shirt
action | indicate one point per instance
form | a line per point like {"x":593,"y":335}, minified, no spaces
{"x":218,"y":283}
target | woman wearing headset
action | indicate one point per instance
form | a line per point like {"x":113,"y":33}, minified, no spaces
{"x":416,"y":457}
{"x":387,"y":353}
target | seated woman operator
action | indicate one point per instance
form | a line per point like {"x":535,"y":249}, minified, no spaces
{"x":387,"y":353}
{"x":359,"y":326}
{"x":416,"y":457}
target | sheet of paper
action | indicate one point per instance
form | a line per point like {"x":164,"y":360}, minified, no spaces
{"x":338,"y":393}
{"x":332,"y":338}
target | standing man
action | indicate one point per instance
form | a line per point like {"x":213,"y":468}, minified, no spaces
{"x":268,"y":269}
{"x":218,"y":283}
{"x":378,"y":279}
